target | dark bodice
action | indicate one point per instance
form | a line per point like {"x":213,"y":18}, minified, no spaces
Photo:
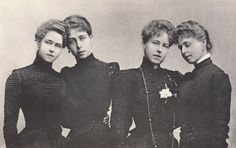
{"x":88,"y":84}
{"x":130,"y":100}
{"x":38,"y":90}
{"x":205,"y":95}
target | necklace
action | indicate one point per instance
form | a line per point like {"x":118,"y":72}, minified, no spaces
{"x":148,"y":109}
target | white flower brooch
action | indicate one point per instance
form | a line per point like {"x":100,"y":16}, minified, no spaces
{"x":166,"y":93}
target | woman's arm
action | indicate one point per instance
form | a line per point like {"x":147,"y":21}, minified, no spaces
{"x":121,"y":118}
{"x":11,"y":109}
{"x":221,"y":94}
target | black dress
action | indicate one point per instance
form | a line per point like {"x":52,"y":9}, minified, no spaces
{"x":130,"y":101}
{"x":87,"y":103}
{"x":205,"y":98}
{"x":38,"y":90}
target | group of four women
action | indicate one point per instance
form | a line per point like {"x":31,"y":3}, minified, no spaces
{"x":156,"y":99}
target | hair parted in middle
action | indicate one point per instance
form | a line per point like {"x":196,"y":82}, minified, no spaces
{"x":77,"y":21}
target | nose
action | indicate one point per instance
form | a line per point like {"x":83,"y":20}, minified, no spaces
{"x":79,"y":44}
{"x":183,"y":50}
{"x":159,"y":49}
{"x":52,"y":49}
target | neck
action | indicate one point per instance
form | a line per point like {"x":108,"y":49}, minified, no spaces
{"x":147,"y":64}
{"x":42,"y":63}
{"x":85,"y":60}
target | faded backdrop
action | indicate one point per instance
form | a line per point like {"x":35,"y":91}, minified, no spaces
{"x":116,"y":27}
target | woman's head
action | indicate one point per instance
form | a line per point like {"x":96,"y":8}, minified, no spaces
{"x":79,"y":36}
{"x":157,"y":38}
{"x":50,"y":39}
{"x":193,"y":40}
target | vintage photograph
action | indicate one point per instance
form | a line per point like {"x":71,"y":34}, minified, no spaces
{"x":117,"y":74}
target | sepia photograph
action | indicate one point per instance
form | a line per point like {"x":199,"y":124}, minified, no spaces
{"x":117,"y":74}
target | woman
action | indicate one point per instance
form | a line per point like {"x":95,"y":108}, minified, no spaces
{"x":88,"y":85}
{"x":38,"y":90}
{"x":205,"y":92}
{"x":147,"y":94}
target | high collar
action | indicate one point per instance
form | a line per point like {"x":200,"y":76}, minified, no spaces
{"x":87,"y":60}
{"x":203,"y":63}
{"x":149,"y":66}
{"x":206,"y":56}
{"x":42,"y":64}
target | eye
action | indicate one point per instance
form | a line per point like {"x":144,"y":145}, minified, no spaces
{"x":156,"y":42}
{"x":58,"y":45}
{"x":166,"y":45}
{"x":72,"y":41}
{"x":187,"y":44}
{"x":82,"y":38}
{"x":48,"y":42}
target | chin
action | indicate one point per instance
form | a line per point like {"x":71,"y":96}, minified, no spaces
{"x":154,"y":61}
{"x":190,"y":62}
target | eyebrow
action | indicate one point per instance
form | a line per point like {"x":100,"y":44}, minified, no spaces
{"x":48,"y":40}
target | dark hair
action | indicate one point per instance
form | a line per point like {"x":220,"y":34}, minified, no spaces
{"x":193,"y":29}
{"x":51,"y":25}
{"x":155,"y":27}
{"x":77,"y":21}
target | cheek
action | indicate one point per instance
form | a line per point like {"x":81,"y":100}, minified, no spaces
{"x":58,"y":52}
{"x":165,"y":52}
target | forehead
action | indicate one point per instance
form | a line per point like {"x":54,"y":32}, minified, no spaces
{"x":161,"y":36}
{"x":182,"y":40}
{"x":75,"y":32}
{"x":54,"y":36}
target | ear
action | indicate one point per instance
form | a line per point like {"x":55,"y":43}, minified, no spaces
{"x":38,"y":45}
{"x":92,"y":40}
{"x":143,"y":46}
{"x":204,"y":45}
{"x":204,"y":42}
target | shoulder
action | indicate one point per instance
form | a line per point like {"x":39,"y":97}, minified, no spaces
{"x":18,"y":74}
{"x":176,"y":75}
{"x":129,"y":75}
{"x":219,"y":78}
{"x":65,"y":70}
{"x":212,"y":68}
{"x":113,"y":67}
{"x":23,"y":70}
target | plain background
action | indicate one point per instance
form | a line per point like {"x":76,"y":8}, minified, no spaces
{"x":116,"y":27}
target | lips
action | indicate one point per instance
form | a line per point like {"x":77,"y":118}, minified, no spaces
{"x":187,"y":56}
{"x":50,"y":55}
{"x":158,"y":56}
{"x":81,"y":52}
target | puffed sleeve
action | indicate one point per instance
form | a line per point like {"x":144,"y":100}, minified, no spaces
{"x":114,"y":68}
{"x":121,"y":118}
{"x":221,"y":95}
{"x":11,"y":109}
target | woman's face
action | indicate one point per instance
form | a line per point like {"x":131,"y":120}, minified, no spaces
{"x":50,"y":46}
{"x":192,"y":49}
{"x":80,"y":43}
{"x":157,"y":47}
